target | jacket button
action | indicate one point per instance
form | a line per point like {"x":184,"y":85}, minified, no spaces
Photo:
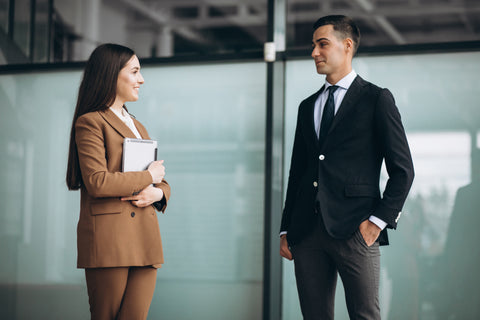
{"x":315,"y":184}
{"x":132,"y":214}
{"x":321,"y":157}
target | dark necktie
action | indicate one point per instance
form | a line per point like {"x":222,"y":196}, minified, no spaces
{"x":328,"y":114}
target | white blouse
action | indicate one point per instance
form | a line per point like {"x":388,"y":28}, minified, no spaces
{"x":125,"y":117}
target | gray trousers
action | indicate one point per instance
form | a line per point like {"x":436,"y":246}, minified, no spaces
{"x":318,"y":260}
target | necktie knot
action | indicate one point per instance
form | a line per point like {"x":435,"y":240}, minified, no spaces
{"x":332,"y":89}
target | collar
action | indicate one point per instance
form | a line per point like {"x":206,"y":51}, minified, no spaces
{"x":345,"y":82}
{"x":121,"y":114}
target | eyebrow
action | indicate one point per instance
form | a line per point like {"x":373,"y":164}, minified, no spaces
{"x":320,"y":39}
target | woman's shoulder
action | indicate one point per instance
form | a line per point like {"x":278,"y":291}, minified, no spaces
{"x":91,"y":117}
{"x":90,"y":120}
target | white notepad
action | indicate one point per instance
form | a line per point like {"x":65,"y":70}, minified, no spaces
{"x":138,"y":154}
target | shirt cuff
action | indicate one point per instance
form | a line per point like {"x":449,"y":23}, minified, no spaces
{"x":379,"y":222}
{"x":159,"y":205}
{"x":282,"y":233}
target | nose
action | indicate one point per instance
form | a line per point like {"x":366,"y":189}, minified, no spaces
{"x":314,"y":52}
{"x":140,"y":78}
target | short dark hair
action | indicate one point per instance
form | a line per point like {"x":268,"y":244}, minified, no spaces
{"x":345,"y":26}
{"x":97,"y":92}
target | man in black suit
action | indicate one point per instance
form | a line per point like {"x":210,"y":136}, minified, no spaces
{"x":335,"y":217}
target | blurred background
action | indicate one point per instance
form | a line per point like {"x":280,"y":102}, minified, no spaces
{"x":224,"y":118}
{"x":42,"y":31}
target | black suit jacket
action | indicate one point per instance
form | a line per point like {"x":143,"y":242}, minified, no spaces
{"x":343,"y":173}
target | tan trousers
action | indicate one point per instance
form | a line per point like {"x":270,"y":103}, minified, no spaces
{"x":123,"y":293}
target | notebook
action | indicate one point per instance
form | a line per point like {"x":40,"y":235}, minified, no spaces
{"x":138,"y":154}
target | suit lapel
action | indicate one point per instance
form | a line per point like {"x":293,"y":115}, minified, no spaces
{"x":311,"y":116}
{"x":117,"y":124}
{"x":349,"y":101}
{"x":141,"y":129}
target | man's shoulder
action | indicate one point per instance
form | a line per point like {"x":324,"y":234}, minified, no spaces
{"x":311,"y":98}
{"x":367,"y":85}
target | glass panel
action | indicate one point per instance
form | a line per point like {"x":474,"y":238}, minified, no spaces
{"x":21,"y":29}
{"x":4,"y":16}
{"x":387,"y":22}
{"x":209,"y":121}
{"x":41,"y":31}
{"x":431,"y":263}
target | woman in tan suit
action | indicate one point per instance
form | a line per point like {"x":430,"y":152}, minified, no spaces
{"x":118,"y":237}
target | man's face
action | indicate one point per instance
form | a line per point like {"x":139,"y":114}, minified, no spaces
{"x":332,"y":55}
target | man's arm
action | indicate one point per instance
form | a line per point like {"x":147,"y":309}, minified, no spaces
{"x":398,"y":160}
{"x":284,"y":248}
{"x":298,"y":164}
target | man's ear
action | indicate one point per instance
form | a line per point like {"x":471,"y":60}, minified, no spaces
{"x":349,"y":45}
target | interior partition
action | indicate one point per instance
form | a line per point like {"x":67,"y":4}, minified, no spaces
{"x":429,"y":269}
{"x":209,"y":124}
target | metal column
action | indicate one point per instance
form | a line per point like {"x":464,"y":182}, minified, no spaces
{"x":272,"y":294}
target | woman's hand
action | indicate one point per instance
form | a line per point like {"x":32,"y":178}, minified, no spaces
{"x":146,"y":197}
{"x":157,"y":170}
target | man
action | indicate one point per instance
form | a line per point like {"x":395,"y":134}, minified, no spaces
{"x":335,"y":217}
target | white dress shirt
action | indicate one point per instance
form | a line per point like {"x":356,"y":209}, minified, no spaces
{"x":338,"y":96}
{"x":125,"y":117}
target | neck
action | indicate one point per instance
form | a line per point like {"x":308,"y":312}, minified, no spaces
{"x":117,"y":105}
{"x":335,"y":77}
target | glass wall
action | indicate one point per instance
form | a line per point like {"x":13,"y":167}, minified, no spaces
{"x":429,"y":269}
{"x":209,"y":121}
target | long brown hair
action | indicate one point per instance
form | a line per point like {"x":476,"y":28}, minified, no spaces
{"x":97,"y":92}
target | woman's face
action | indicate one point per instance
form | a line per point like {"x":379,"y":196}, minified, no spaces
{"x":129,"y":81}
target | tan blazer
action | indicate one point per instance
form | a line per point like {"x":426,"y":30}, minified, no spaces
{"x":112,"y":232}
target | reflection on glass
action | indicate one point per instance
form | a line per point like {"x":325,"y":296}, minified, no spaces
{"x":431,"y":262}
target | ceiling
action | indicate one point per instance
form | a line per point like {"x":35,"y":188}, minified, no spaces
{"x":231,"y":25}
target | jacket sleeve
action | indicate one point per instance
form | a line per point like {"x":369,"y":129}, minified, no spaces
{"x":297,"y":168}
{"x":99,"y":181}
{"x":398,"y":160}
{"x":162,"y":204}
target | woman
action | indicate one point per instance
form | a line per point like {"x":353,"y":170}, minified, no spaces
{"x":118,"y":237}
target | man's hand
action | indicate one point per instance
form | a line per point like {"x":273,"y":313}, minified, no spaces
{"x":146,"y":197}
{"x":370,"y":232}
{"x":284,"y":249}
